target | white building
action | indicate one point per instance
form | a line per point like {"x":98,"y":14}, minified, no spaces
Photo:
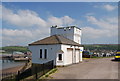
{"x":71,"y":32}
{"x":59,"y":48}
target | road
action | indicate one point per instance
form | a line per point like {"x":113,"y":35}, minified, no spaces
{"x":97,"y":68}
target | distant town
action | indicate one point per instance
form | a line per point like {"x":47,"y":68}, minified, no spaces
{"x":90,"y":50}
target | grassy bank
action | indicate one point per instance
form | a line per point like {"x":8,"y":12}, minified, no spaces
{"x":101,"y":46}
{"x":11,"y":49}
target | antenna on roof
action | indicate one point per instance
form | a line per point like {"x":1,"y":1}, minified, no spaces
{"x":55,"y":25}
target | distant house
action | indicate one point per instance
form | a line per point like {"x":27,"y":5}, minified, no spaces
{"x":2,"y":51}
{"x":59,"y":48}
{"x":18,"y":53}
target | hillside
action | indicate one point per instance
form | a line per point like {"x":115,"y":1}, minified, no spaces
{"x":101,"y":46}
{"x":10,"y":49}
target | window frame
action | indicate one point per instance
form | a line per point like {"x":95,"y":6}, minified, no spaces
{"x":45,"y":53}
{"x":40,"y":53}
{"x":60,"y":57}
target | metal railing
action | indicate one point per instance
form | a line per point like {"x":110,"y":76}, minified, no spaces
{"x":36,"y":71}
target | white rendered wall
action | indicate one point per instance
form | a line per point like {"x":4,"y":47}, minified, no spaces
{"x":77,"y":52}
{"x":60,"y":62}
{"x":51,"y":53}
{"x":77,"y":35}
{"x":70,"y":58}
{"x":67,"y":57}
{"x":72,"y":33}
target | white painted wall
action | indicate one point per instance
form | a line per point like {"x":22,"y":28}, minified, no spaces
{"x":77,"y":55}
{"x":72,"y":33}
{"x":77,"y":35}
{"x":60,"y":62}
{"x":51,"y":53}
{"x":65,"y":58}
{"x":70,"y":58}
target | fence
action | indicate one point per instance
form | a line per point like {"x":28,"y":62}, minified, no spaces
{"x":36,"y":70}
{"x":9,"y":75}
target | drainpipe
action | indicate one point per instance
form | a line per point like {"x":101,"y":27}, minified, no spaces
{"x":80,"y":56}
{"x":81,"y":50}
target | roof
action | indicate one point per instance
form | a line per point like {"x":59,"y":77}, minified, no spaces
{"x":66,"y":27}
{"x":55,"y":39}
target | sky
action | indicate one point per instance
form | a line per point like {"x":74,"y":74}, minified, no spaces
{"x":26,"y":22}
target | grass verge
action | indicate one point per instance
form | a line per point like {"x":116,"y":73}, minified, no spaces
{"x":47,"y":75}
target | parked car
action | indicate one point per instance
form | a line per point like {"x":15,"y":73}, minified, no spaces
{"x":117,"y":55}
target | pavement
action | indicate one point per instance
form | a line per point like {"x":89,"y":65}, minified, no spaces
{"x":96,"y":68}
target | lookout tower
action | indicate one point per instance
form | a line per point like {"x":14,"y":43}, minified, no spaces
{"x":70,"y":32}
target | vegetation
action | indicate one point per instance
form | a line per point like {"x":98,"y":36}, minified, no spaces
{"x":101,"y":47}
{"x":48,"y":74}
{"x":11,"y":49}
{"x":45,"y":76}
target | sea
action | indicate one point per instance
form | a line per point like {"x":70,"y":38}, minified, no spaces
{"x":9,"y":64}
{"x":4,"y":64}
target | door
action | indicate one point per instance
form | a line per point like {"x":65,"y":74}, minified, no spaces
{"x":77,"y":52}
{"x":69,"y":56}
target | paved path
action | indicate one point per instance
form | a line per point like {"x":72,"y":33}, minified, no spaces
{"x":102,"y":68}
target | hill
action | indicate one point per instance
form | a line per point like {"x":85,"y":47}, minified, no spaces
{"x":101,"y":46}
{"x":10,"y":49}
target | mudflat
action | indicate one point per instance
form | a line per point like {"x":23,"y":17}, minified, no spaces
{"x":12,"y":70}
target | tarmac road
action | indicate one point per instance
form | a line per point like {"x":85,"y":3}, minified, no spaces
{"x":98,"y":68}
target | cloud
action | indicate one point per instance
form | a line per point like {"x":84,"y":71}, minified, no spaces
{"x":16,"y":32}
{"x":22,"y":18}
{"x":90,"y":14}
{"x":29,"y":26}
{"x":27,"y":18}
{"x":54,"y":21}
{"x":109,"y":7}
{"x":106,"y":30}
{"x":105,"y":23}
{"x":113,"y":20}
{"x":65,"y":20}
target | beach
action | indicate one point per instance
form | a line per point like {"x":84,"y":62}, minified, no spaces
{"x":12,"y":69}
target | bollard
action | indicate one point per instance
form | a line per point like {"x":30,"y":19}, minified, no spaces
{"x":36,"y":73}
{"x":18,"y":76}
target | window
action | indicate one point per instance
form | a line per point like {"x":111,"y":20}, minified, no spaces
{"x":45,"y":53}
{"x":40,"y":53}
{"x":59,"y":56}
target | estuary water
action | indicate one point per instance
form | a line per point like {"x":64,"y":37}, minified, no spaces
{"x":4,"y":64}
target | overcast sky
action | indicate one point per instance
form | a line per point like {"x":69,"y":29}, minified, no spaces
{"x":26,"y":22}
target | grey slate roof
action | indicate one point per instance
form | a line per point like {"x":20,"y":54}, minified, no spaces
{"x":55,"y":39}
